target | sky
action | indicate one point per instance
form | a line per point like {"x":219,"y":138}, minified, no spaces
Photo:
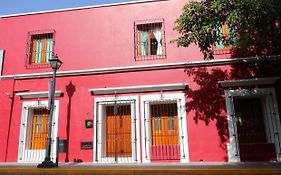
{"x":8,"y":7}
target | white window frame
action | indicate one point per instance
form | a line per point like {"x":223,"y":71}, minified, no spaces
{"x":180,"y":99}
{"x":1,"y":61}
{"x":40,"y":154}
{"x":270,"y":110}
{"x":98,"y":119}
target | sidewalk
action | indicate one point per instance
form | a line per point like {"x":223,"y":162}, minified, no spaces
{"x":139,"y":169}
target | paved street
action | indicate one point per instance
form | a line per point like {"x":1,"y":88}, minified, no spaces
{"x":149,"y":169}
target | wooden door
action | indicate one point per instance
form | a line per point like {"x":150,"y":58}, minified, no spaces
{"x":118,"y":131}
{"x":251,"y":129}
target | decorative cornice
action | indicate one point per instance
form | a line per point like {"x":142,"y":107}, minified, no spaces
{"x":27,"y":95}
{"x":215,"y":62}
{"x":249,"y":82}
{"x":133,"y":89}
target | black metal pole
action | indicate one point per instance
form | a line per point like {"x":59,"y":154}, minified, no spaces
{"x":48,"y":163}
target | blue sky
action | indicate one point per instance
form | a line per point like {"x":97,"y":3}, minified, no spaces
{"x":8,"y":7}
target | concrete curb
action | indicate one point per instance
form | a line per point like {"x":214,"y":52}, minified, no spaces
{"x":139,"y":171}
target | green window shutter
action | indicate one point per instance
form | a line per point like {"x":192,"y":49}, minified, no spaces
{"x":232,"y":37}
{"x":219,"y":45}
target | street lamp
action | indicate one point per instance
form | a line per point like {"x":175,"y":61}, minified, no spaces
{"x":47,"y":163}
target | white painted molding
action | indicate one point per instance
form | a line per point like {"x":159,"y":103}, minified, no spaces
{"x":249,"y":82}
{"x":132,"y":89}
{"x":38,"y":155}
{"x":28,"y":95}
{"x":180,"y":65}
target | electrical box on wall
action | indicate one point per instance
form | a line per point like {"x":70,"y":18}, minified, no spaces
{"x":89,"y":123}
{"x":62,"y":146}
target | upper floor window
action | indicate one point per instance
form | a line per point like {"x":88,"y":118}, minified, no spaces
{"x":149,"y":40}
{"x":228,"y":33}
{"x":40,"y":47}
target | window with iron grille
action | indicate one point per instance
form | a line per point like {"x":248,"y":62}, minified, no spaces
{"x":164,"y":125}
{"x":37,"y":128}
{"x":40,"y":47}
{"x":228,"y":33}
{"x":150,"y":40}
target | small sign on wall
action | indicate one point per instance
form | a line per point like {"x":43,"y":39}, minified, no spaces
{"x":86,"y":145}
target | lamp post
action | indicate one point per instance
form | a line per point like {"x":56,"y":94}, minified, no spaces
{"x":47,"y":163}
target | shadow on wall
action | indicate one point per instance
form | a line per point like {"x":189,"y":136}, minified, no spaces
{"x":70,"y":89}
{"x":208,"y":101}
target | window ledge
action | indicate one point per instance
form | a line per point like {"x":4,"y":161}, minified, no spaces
{"x":249,"y":82}
{"x":133,"y":89}
{"x":37,"y":66}
{"x":28,"y":95}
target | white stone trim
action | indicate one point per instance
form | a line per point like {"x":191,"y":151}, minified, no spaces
{"x":180,"y":98}
{"x":270,"y":109}
{"x":98,"y":114}
{"x":28,"y":95}
{"x":40,"y":154}
{"x":1,"y":60}
{"x":123,"y":69}
{"x":249,"y":82}
{"x":132,"y":89}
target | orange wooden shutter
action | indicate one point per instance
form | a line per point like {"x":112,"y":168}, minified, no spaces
{"x":39,"y":129}
{"x":33,"y":51}
{"x":110,"y":131}
{"x":225,"y":34}
{"x":148,"y":43}
{"x":139,"y":43}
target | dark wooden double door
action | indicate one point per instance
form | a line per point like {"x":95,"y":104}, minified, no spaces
{"x":253,"y":133}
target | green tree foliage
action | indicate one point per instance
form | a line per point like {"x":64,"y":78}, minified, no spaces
{"x":256,"y":22}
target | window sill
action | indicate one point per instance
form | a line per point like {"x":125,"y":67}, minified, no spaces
{"x":38,"y":66}
{"x":150,"y":57}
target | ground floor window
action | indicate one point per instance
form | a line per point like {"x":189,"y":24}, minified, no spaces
{"x":116,"y":130}
{"x":164,"y":131}
{"x":37,"y":128}
{"x":254,"y":125}
{"x":164,"y":128}
{"x":33,"y":131}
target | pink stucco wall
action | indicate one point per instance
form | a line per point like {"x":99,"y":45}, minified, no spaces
{"x":93,"y":38}
{"x":103,"y":38}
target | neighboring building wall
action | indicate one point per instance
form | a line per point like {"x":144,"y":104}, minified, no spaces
{"x":6,"y":96}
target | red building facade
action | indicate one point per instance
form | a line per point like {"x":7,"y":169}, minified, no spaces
{"x":125,"y":93}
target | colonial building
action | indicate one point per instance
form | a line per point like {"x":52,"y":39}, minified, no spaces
{"x":127,"y":94}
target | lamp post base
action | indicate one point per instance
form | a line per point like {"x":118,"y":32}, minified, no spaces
{"x":47,"y":164}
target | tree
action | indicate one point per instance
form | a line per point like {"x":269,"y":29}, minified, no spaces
{"x":256,"y":22}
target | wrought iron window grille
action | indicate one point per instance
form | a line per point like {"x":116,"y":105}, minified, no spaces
{"x":149,"y":40}
{"x":39,"y":48}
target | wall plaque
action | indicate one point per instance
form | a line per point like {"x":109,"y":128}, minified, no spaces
{"x":86,"y":145}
